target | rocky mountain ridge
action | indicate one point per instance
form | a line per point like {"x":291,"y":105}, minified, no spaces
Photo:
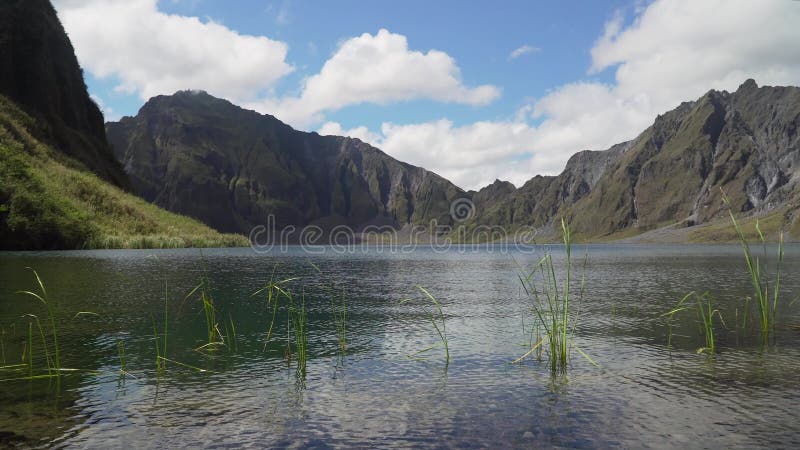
{"x":205,"y":157}
{"x":232,"y":168}
{"x":745,"y":143}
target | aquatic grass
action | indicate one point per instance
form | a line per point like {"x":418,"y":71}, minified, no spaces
{"x":339,"y":311}
{"x":299,"y":319}
{"x":54,"y":365}
{"x":437,"y":318}
{"x":231,"y":340}
{"x":29,"y":348}
{"x":705,"y":310}
{"x":198,"y":369}
{"x":767,"y":302}
{"x":160,"y":342}
{"x":213,"y":334}
{"x":273,"y":291}
{"x":551,"y":305}
{"x":121,"y":355}
{"x":156,"y":341}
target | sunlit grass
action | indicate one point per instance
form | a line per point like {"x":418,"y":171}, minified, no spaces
{"x":273,"y":291}
{"x":766,"y":291}
{"x":551,"y":305}
{"x":54,"y":364}
{"x":703,"y":306}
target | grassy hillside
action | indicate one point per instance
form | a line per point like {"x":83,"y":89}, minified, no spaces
{"x":48,"y":202}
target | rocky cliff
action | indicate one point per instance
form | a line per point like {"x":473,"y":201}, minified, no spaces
{"x":202,"y":156}
{"x":746,"y":142}
{"x":41,"y":74}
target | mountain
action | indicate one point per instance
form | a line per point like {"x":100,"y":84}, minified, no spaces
{"x":41,"y":74}
{"x":48,"y":204}
{"x":747,"y":143}
{"x":60,"y":185}
{"x":204,"y":157}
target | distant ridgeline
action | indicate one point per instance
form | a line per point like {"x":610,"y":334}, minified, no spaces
{"x":231,"y":168}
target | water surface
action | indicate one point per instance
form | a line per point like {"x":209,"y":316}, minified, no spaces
{"x":644,"y":395}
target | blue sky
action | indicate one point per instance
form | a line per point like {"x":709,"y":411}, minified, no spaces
{"x":438,"y":83}
{"x":479,"y":38}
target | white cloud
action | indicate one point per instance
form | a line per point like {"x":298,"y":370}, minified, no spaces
{"x":470,"y":156}
{"x":377,"y":69}
{"x":335,"y":129}
{"x":522,"y":50}
{"x":671,"y":52}
{"x":108,"y":112}
{"x":154,"y":53}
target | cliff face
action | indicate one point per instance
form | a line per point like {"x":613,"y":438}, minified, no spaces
{"x":41,"y":74}
{"x":745,"y":142}
{"x":201,"y":156}
{"x":204,"y":157}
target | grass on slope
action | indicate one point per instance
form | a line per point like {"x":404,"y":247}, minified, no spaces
{"x":47,"y":201}
{"x":722,"y":231}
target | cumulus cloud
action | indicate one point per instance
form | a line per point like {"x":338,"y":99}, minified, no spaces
{"x":362,"y":132}
{"x":469,"y":155}
{"x":378,"y":69}
{"x":522,"y":50}
{"x":670,"y":52}
{"x":153,"y":53}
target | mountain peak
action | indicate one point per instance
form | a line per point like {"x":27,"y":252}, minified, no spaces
{"x":748,"y":85}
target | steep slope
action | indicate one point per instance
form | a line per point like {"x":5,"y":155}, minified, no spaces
{"x":198,"y":155}
{"x":41,"y":74}
{"x":745,"y":142}
{"x":47,"y":204}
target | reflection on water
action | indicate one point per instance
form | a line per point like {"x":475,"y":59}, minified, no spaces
{"x":644,"y":395}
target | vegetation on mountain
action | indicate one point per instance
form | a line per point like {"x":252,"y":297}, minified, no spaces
{"x":42,"y":76}
{"x":47,"y":203}
{"x":746,"y":143}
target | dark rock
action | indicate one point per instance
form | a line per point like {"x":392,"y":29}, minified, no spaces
{"x":202,"y":156}
{"x":41,"y":73}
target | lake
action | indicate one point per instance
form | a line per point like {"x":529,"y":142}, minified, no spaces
{"x":381,"y":392}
